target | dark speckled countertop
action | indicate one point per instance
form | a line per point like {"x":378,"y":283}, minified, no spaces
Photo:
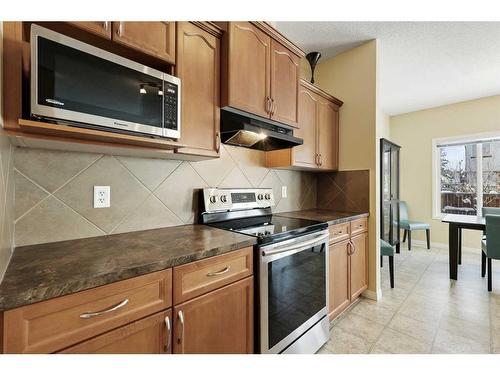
{"x":40,"y":272}
{"x":329,"y":216}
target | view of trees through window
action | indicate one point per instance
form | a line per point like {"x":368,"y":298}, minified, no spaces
{"x":460,"y":179}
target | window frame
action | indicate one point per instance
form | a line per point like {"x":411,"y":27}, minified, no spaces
{"x":436,"y":167}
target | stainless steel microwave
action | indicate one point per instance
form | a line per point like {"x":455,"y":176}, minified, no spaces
{"x":76,"y":83}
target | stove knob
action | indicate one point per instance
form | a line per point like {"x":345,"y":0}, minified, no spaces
{"x":268,"y":196}
{"x":223,"y":199}
{"x":260,"y":197}
{"x":213,"y":199}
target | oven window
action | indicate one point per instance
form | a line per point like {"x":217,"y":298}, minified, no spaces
{"x":296,"y":291}
{"x":77,"y":81}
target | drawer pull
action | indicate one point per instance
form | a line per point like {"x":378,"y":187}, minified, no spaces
{"x":360,"y":225}
{"x":169,"y":333}
{"x":98,"y":313}
{"x":337,"y":233}
{"x":221,"y":272}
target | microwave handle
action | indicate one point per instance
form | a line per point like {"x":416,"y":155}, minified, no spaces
{"x":300,"y":245}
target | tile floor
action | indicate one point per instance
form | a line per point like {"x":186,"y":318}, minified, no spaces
{"x":426,"y":312}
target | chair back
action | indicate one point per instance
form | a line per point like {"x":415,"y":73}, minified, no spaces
{"x":490,"y":211}
{"x":493,"y":236}
{"x":403,"y":211}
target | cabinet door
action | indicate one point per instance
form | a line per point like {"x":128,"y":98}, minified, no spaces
{"x":305,"y":154}
{"x":248,"y":68}
{"x":151,"y":335}
{"x":358,"y":268}
{"x":327,"y":135}
{"x":154,"y":38}
{"x":198,"y":66}
{"x":339,"y":297}
{"x":102,"y":28}
{"x":284,"y":84}
{"x":218,"y":322}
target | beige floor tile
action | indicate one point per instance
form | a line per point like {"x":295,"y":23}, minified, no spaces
{"x":342,"y":342}
{"x":423,"y":331}
{"x":472,"y":330}
{"x":324,"y":350}
{"x":361,"y":327}
{"x":371,"y":310}
{"x":377,"y":349}
{"x":451,"y":342}
{"x":397,"y":342}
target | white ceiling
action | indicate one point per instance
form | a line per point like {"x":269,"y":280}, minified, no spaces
{"x":421,"y":64}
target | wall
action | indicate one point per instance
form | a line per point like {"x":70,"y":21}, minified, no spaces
{"x":54,"y":191}
{"x":6,"y":190}
{"x":352,"y":77}
{"x":414,"y":133}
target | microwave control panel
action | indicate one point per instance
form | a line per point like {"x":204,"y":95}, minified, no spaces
{"x":171,"y":105}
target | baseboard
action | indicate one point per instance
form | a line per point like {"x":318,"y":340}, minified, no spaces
{"x":437,"y":245}
{"x":370,"y":294}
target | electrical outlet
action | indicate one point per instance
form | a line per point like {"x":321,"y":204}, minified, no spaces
{"x":102,"y":196}
{"x":283,"y":192}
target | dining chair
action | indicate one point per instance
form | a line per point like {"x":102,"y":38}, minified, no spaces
{"x":408,"y":225}
{"x":490,"y":245}
{"x":387,"y":250}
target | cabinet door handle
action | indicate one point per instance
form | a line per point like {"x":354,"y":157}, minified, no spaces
{"x":221,"y":272}
{"x":217,"y":141}
{"x":106,"y":25}
{"x":120,"y":28}
{"x":169,"y":334}
{"x":353,"y":247}
{"x":268,"y":104}
{"x":320,"y":160}
{"x":316,"y":159}
{"x":180,"y":339}
{"x":88,"y":315}
{"x":273,"y":107}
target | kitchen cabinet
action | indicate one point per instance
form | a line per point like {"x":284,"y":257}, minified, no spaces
{"x":151,"y":335}
{"x":260,"y":71}
{"x":348,"y":264}
{"x":318,"y":114}
{"x":219,"y":322}
{"x":198,"y":66}
{"x":154,"y":38}
{"x":101,"y":28}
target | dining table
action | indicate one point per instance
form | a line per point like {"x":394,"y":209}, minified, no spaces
{"x":455,"y":225}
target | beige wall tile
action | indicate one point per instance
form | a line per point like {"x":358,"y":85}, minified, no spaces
{"x":235,"y":179}
{"x":272,"y":181}
{"x":251,"y":163}
{"x":126,"y":193}
{"x":51,"y":169}
{"x":52,"y":221}
{"x":27,"y":194}
{"x":214,"y":171}
{"x":151,"y":172}
{"x":6,"y":203}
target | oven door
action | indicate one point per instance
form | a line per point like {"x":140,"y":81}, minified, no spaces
{"x":293,"y":289}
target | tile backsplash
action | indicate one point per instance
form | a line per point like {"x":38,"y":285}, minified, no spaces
{"x":6,"y":203}
{"x":53,"y":191}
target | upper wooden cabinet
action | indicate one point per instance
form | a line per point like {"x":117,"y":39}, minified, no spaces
{"x":260,"y":71}
{"x":101,"y":28}
{"x":318,"y":114}
{"x":154,"y":38}
{"x":198,"y":66}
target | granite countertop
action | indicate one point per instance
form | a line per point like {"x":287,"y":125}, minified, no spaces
{"x":329,"y":216}
{"x":40,"y":272}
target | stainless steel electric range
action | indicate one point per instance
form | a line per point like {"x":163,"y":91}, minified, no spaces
{"x":291,"y":268}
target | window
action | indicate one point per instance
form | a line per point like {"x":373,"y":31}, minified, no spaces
{"x":466,"y":175}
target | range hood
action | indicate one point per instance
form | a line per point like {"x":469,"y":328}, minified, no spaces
{"x":244,"y":129}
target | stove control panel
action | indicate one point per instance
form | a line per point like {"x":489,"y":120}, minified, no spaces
{"x":217,"y":200}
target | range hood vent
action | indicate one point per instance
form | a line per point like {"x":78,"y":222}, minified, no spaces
{"x":244,"y":129}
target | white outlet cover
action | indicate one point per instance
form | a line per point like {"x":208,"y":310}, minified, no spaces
{"x":283,"y":192}
{"x":102,"y":196}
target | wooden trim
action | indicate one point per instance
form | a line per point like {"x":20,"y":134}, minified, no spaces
{"x":58,"y":130}
{"x":12,"y":74}
{"x":321,"y":93}
{"x":209,"y":27}
{"x":279,"y":37}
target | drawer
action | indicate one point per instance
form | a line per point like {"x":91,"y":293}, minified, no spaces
{"x":359,"y":226}
{"x":57,"y":323}
{"x":197,"y":278}
{"x":339,"y":232}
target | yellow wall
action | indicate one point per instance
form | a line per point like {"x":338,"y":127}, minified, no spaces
{"x":414,"y":133}
{"x":352,"y":77}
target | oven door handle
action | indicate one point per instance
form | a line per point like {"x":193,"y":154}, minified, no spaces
{"x":306,"y":244}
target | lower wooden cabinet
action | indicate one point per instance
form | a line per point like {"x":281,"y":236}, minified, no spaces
{"x":339,"y":296}
{"x":219,"y":322}
{"x":348,"y":264}
{"x":151,"y":335}
{"x":358,"y":267}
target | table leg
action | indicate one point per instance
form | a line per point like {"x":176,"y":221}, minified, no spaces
{"x":459,"y":245}
{"x":453,"y":249}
